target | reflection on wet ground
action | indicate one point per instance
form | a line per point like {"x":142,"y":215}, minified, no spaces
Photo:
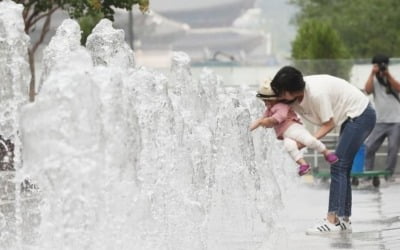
{"x":375,"y":217}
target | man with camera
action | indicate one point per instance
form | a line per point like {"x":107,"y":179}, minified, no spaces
{"x":385,"y":90}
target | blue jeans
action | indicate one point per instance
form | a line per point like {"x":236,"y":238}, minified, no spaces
{"x":353,"y":132}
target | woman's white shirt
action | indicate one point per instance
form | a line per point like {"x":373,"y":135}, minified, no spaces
{"x":327,"y":97}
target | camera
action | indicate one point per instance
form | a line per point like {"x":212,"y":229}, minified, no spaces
{"x":382,"y":61}
{"x":382,"y":66}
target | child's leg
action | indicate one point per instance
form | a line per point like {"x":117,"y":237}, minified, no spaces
{"x":297,"y":155}
{"x":301,"y":161}
{"x":291,"y":147}
{"x":299,"y":133}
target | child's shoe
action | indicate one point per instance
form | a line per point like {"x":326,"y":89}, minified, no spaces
{"x":304,"y":169}
{"x":331,"y":158}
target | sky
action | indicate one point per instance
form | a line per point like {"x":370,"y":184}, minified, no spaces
{"x":279,"y":15}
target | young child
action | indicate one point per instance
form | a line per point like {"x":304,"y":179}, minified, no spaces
{"x":288,"y":128}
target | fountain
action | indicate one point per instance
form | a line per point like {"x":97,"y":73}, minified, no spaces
{"x":128,"y":158}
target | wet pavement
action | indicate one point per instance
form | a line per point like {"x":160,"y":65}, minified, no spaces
{"x":375,"y":220}
{"x":375,"y":217}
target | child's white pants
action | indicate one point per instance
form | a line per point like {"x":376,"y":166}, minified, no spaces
{"x":298,"y":133}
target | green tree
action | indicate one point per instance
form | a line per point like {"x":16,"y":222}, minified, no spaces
{"x":87,"y":23}
{"x":318,"y":48}
{"x":365,"y":26}
{"x":37,"y":10}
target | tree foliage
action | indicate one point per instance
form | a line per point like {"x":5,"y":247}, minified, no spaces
{"x":318,"y":40}
{"x":87,"y":23}
{"x":80,"y":8}
{"x":91,"y":11}
{"x":365,"y":26}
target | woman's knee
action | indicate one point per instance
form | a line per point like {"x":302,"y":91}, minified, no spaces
{"x":343,"y":164}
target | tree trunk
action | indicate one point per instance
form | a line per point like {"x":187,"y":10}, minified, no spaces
{"x":31,"y":51}
{"x":32,"y":91}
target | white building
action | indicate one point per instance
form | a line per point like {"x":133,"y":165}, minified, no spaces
{"x":209,"y":31}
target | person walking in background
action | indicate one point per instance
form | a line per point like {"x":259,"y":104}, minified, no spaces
{"x":330,"y":102}
{"x":385,"y":90}
{"x":289,"y":128}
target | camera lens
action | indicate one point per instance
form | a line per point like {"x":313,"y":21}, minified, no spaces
{"x":382,"y":67}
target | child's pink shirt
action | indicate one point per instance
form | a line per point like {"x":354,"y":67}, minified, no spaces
{"x":285,"y":116}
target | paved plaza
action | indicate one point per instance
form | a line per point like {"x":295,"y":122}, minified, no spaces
{"x":375,"y":219}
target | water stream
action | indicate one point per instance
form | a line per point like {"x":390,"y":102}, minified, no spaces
{"x":128,"y":158}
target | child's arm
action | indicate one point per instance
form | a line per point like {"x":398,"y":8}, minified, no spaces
{"x":267,"y":122}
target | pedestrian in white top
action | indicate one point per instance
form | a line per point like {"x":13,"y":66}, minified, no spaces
{"x":330,"y":102}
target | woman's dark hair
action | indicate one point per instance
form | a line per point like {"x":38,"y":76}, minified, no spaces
{"x":288,"y":79}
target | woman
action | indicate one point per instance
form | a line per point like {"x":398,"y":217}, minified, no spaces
{"x":327,"y":102}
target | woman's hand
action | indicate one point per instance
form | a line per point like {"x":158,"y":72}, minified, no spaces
{"x":375,"y":69}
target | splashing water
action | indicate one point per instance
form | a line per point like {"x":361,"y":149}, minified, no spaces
{"x":14,"y":72}
{"x":127,"y":158}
